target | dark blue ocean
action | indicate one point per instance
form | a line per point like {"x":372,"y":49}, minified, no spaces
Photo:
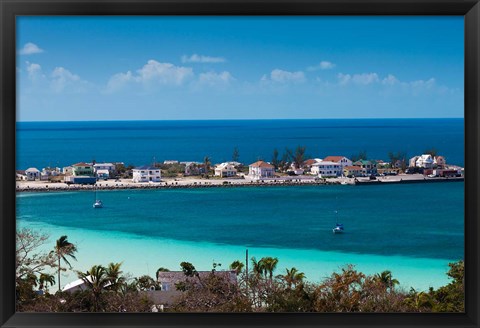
{"x":414,"y":230}
{"x":41,"y":144}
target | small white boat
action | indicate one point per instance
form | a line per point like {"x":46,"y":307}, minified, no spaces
{"x":338,"y":228}
{"x":98,"y":203}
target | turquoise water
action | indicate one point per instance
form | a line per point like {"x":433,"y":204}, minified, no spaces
{"x":413,"y":230}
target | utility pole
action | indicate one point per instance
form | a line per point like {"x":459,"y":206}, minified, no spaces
{"x":246,"y":266}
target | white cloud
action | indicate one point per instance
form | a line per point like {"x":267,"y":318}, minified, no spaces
{"x":212,"y":78}
{"x":153,"y":72}
{"x":34,"y":71}
{"x":30,"y":49}
{"x":118,"y":80}
{"x":61,"y":78}
{"x":281,"y":76}
{"x":202,"y":59}
{"x":321,"y":66}
{"x":391,"y":83}
{"x":361,"y":79}
{"x":164,"y":73}
{"x":390,"y":80}
{"x":428,"y":84}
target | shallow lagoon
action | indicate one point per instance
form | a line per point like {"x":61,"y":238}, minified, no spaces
{"x":412,"y":230}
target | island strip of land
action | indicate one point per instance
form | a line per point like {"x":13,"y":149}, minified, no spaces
{"x":190,"y":182}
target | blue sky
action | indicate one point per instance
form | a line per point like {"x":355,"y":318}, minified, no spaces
{"x":168,"y":68}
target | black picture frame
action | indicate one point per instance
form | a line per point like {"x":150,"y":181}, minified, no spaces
{"x":470,"y":9}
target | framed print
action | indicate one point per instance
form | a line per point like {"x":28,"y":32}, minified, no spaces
{"x":249,"y":163}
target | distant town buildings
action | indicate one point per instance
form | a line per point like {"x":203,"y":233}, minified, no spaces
{"x":328,"y":167}
{"x":225,"y":170}
{"x":146,"y":174}
{"x":81,"y":169}
{"x":261,"y":169}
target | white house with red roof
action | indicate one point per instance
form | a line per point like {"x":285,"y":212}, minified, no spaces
{"x":260,"y":170}
{"x":342,"y":160}
{"x":82,"y":169}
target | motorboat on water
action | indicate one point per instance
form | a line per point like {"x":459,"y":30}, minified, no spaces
{"x":338,"y":228}
{"x":98,"y":204}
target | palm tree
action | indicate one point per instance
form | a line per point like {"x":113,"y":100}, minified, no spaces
{"x":63,"y":249}
{"x":145,"y":283}
{"x":207,"y":163}
{"x":114,"y":275}
{"x":237,"y":266}
{"x":420,"y":301}
{"x":161,"y":269}
{"x":95,"y":279}
{"x":269,"y":265}
{"x":257,"y":266}
{"x":386,"y":279}
{"x":45,"y":280}
{"x":293,"y":277}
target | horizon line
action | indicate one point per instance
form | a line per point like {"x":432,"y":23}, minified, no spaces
{"x":249,"y":119}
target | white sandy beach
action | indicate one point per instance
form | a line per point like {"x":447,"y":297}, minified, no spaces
{"x":212,"y":182}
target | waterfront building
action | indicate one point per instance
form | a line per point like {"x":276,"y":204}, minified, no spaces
{"x":51,"y":171}
{"x":296,"y":170}
{"x":369,"y":167}
{"x":439,"y":161}
{"x":110,"y":167}
{"x":82,"y":169}
{"x":261,"y":169}
{"x":146,"y":174}
{"x":170,"y":162}
{"x":103,"y":170}
{"x":307,"y":165}
{"x":193,"y":168}
{"x":342,"y":160}
{"x":413,"y":161}
{"x":355,"y":171}
{"x":425,"y":161}
{"x":327,"y":169}
{"x":225,"y":170}
{"x":21,"y":175}
{"x":32,"y":174}
{"x":67,"y":170}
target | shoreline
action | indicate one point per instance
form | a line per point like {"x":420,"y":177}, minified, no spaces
{"x":174,"y":183}
{"x":316,"y":264}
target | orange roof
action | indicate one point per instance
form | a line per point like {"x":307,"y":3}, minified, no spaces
{"x":353,"y":167}
{"x":262,"y":164}
{"x":82,"y":164}
{"x":309,"y":162}
{"x":333,"y":158}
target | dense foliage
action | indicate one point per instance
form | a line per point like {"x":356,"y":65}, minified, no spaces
{"x":108,"y":289}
